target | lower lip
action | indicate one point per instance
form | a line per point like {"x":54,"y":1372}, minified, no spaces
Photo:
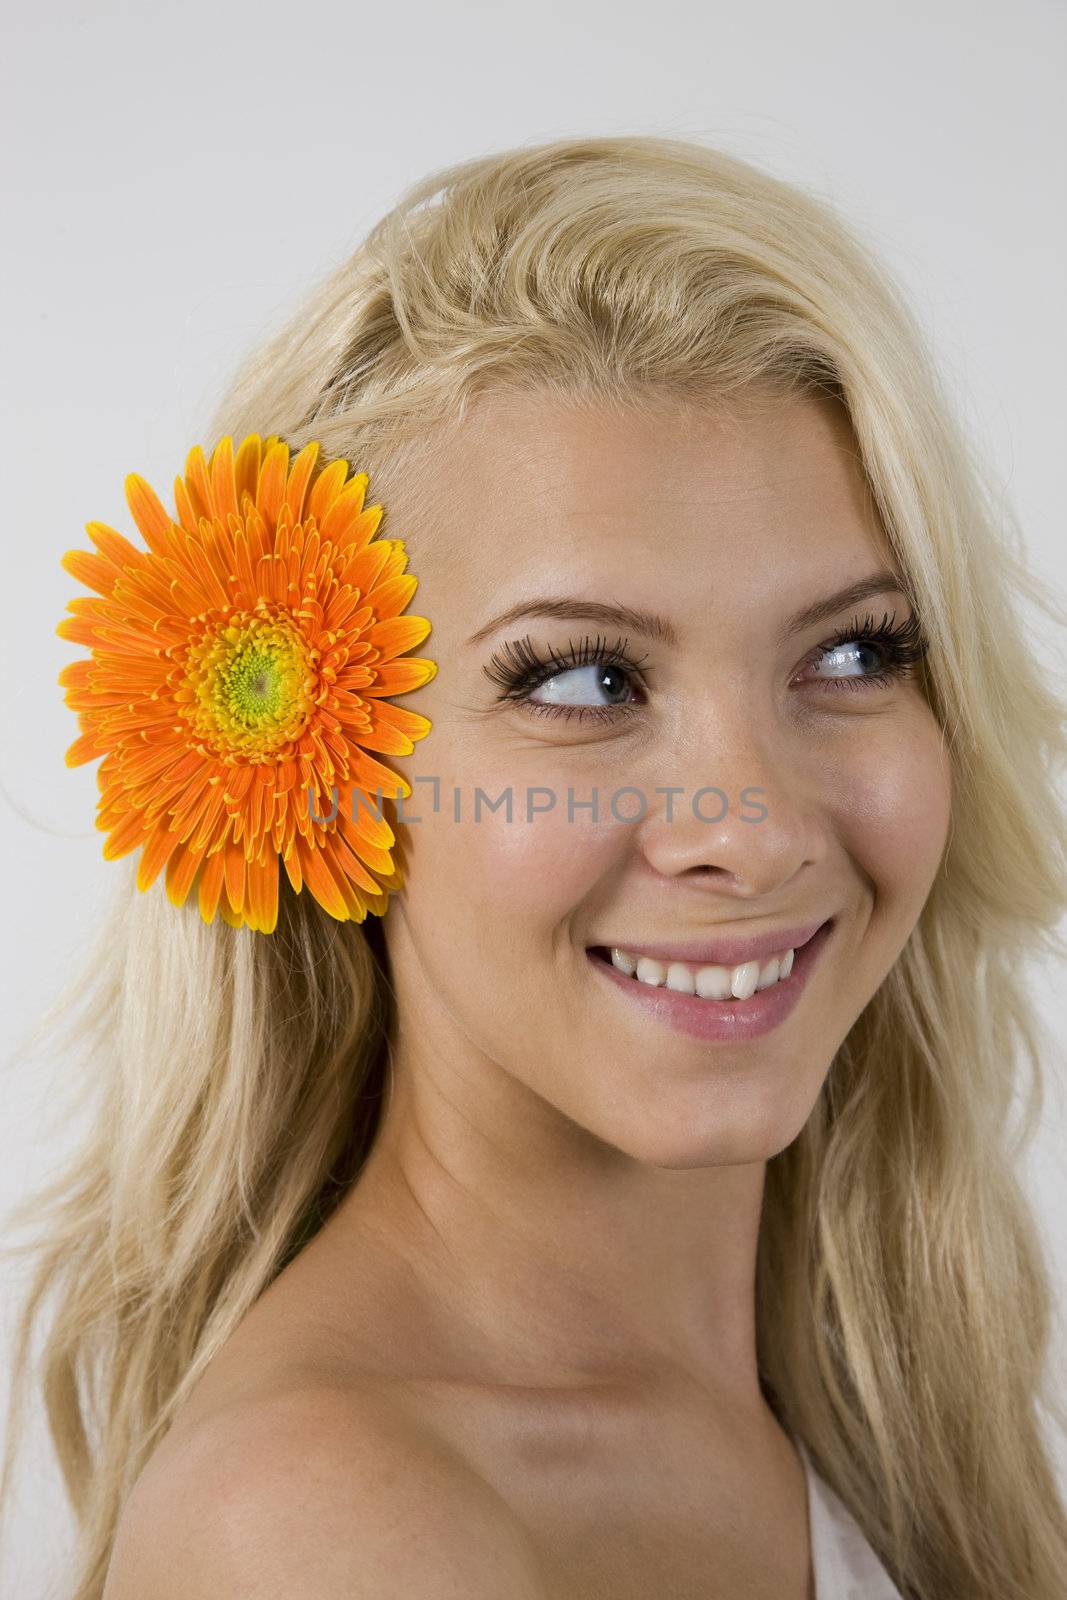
{"x":733,"y":1021}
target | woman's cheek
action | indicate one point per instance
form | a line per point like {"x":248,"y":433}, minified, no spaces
{"x":542,"y":862}
{"x":892,"y":809}
{"x":505,"y":848}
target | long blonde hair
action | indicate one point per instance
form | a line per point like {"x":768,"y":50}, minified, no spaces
{"x":232,"y":1081}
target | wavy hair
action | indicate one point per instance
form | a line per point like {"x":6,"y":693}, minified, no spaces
{"x":232,"y":1083}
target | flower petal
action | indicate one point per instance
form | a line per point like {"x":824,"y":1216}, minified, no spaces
{"x":363,"y":570}
{"x":209,"y":886}
{"x":198,"y":483}
{"x":299,"y":478}
{"x":348,"y":863}
{"x":352,"y":858}
{"x":371,"y":775}
{"x":125,"y":836}
{"x":346,"y":519}
{"x":114,"y":548}
{"x":234,"y":870}
{"x":291,"y":863}
{"x":405,"y":722}
{"x":270,"y":489}
{"x":246,"y":468}
{"x":397,"y":634}
{"x":82,"y":750}
{"x":400,"y":677}
{"x":181,"y":870}
{"x":96,"y":572}
{"x":326,"y":488}
{"x":261,"y":898}
{"x":390,"y":598}
{"x":388,"y":741}
{"x":223,"y":485}
{"x":321,"y":881}
{"x":157,"y":852}
{"x":148,"y":513}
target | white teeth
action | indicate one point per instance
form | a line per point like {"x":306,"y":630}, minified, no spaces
{"x":768,"y":973}
{"x":744,"y":979}
{"x":713,"y":983}
{"x":710,"y":983}
{"x":681,"y":978}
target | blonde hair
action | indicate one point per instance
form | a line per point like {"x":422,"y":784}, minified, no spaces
{"x":903,"y":1302}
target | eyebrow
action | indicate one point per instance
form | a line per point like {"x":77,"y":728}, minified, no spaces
{"x":572,"y":608}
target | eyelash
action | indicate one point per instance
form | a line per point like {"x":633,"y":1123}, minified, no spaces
{"x":519,"y":670}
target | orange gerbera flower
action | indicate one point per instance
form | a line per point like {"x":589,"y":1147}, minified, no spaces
{"x":237,"y":681}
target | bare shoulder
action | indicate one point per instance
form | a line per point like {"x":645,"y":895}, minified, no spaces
{"x":313,"y":1492}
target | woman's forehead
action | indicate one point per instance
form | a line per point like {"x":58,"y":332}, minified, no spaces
{"x":535,"y":490}
{"x":523,"y":450}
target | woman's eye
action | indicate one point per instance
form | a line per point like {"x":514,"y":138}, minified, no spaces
{"x":846,"y":660}
{"x":595,"y":682}
{"x":869,"y":655}
{"x":581,"y":686}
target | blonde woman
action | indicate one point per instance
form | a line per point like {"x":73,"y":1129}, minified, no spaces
{"x":631,"y":1209}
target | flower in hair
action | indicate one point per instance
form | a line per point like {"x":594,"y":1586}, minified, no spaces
{"x":237,"y":683}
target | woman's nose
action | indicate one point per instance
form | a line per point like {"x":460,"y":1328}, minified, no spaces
{"x":736,"y":809}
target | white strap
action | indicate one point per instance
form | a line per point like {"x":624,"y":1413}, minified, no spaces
{"x":844,"y":1565}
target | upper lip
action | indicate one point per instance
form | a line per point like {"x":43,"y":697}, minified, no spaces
{"x":725,"y":952}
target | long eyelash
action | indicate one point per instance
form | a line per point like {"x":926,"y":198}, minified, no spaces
{"x":903,"y":645}
{"x":519,"y":670}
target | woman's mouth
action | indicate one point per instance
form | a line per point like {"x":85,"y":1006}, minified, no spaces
{"x":713,"y":1002}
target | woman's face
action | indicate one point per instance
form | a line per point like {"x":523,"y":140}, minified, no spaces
{"x":806,"y":784}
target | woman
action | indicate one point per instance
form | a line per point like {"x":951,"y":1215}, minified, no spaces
{"x":626,"y":1205}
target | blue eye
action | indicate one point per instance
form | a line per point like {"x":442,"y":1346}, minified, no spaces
{"x":843,"y":663}
{"x":592,"y":668}
{"x":570,"y":683}
{"x":896,"y":649}
{"x":578,"y":686}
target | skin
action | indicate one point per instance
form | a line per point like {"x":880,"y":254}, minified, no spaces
{"x":558,"y":1221}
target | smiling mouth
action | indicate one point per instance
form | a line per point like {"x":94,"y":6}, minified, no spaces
{"x":715,"y":1003}
{"x":730,"y":984}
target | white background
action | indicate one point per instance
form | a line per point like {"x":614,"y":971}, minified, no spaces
{"x":175,"y":179}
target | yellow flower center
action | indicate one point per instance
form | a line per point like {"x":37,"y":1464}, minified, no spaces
{"x":253,"y":684}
